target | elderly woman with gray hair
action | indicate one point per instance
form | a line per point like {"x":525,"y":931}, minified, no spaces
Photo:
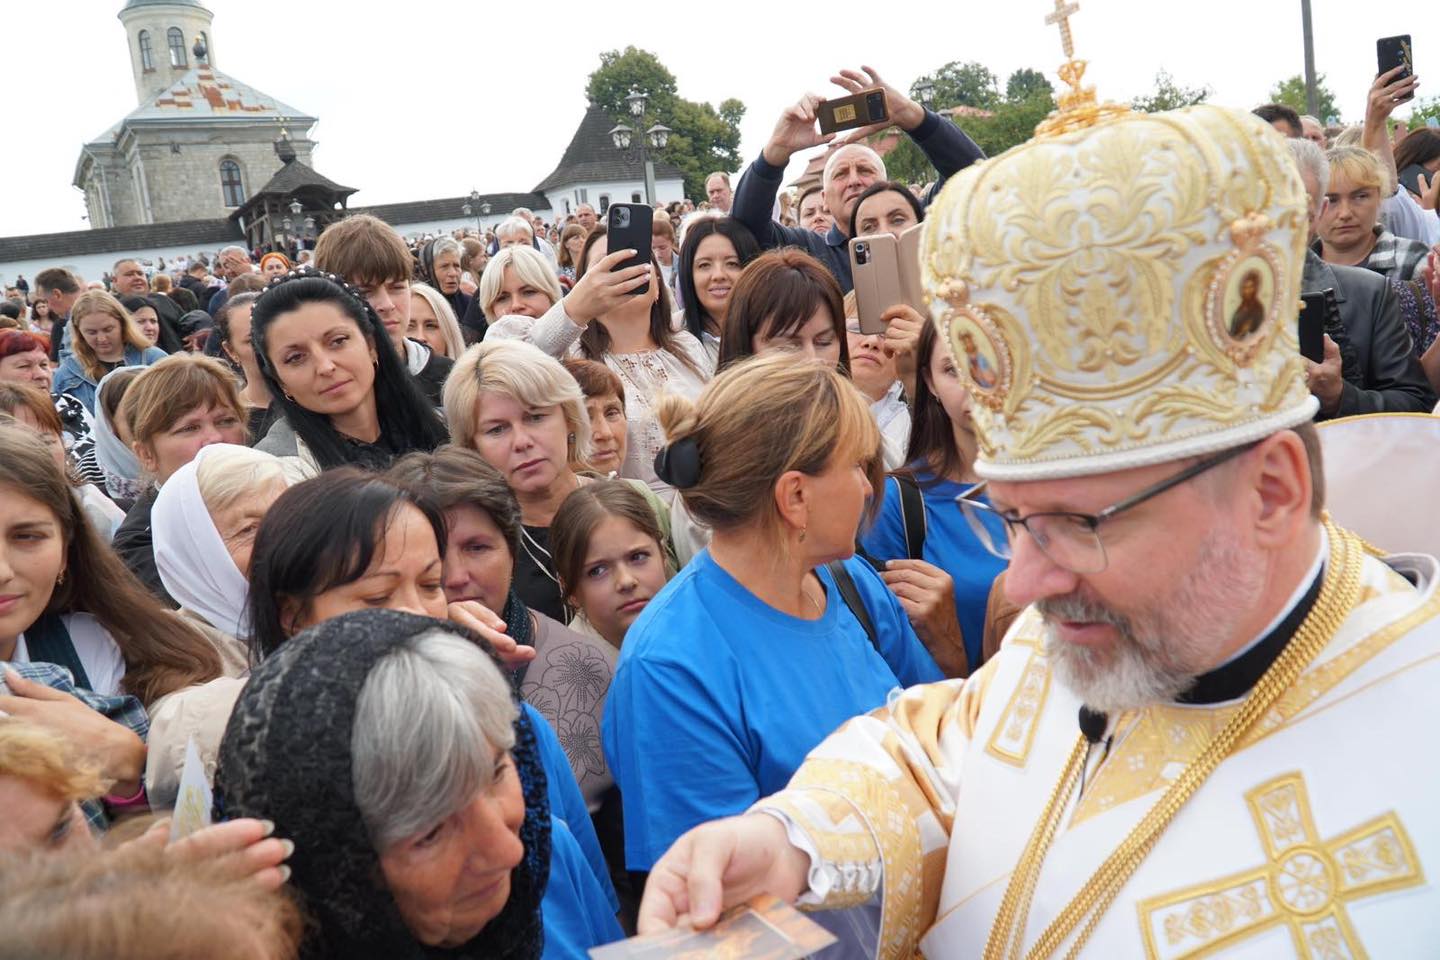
{"x":437,"y":265}
{"x":390,"y":749}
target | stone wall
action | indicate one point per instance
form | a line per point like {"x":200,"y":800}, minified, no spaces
{"x":182,"y":173}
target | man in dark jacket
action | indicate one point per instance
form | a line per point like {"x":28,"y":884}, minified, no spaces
{"x":1370,"y":365}
{"x":848,"y":170}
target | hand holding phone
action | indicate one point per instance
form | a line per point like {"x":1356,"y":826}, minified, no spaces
{"x":1393,"y":52}
{"x":1312,"y":327}
{"x":886,"y":272}
{"x":628,"y":226}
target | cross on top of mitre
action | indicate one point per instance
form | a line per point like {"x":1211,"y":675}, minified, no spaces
{"x":1063,"y":12}
{"x":1078,"y":107}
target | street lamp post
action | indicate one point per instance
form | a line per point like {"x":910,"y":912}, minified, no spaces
{"x":634,"y":147}
{"x":473,"y":208}
{"x":1312,"y":92}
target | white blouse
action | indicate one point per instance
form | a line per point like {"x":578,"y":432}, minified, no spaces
{"x":646,"y":375}
{"x":95,"y":648}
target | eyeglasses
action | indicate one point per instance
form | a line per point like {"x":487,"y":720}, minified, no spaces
{"x":1070,"y":540}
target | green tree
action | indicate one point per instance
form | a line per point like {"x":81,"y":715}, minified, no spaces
{"x":1168,"y":95}
{"x":1291,"y":92}
{"x":702,"y":139}
{"x":1425,"y":109}
{"x":961,"y":84}
{"x":1012,"y":121}
{"x":1025,"y":83}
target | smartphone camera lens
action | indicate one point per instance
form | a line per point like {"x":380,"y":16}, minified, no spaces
{"x":862,"y":253}
{"x":622,"y":217}
{"x":875,"y":103}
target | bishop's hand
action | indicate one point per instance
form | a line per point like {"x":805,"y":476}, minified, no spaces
{"x":718,"y":865}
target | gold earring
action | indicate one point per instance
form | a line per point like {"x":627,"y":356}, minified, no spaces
{"x":802,"y":533}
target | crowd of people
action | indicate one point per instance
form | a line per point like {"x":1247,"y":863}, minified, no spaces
{"x":479,"y":571}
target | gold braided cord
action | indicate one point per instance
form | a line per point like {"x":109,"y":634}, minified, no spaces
{"x":1338,"y":595}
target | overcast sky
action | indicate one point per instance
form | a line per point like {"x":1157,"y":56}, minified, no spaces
{"x":425,"y":98}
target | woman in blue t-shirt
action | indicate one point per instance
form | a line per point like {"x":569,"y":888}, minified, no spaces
{"x":940,"y":467}
{"x":772,"y":636}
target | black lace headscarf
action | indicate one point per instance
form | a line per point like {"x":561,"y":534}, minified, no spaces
{"x":286,"y":758}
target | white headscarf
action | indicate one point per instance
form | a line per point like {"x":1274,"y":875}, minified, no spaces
{"x":114,"y":457}
{"x":194,"y":565}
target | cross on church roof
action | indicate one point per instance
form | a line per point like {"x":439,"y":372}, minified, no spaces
{"x":1063,"y":12}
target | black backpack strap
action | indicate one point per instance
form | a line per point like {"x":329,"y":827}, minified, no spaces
{"x":912,"y":515}
{"x":851,"y":595}
{"x":48,"y":641}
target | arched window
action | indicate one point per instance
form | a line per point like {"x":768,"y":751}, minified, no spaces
{"x":176,"y":39}
{"x":230,"y":183}
{"x":147,"y":53}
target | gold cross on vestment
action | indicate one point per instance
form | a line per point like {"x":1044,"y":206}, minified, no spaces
{"x":1305,"y":885}
{"x":1063,"y":12}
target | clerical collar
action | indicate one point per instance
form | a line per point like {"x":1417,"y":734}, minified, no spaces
{"x":1235,"y":677}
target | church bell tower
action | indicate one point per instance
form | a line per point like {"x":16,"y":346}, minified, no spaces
{"x":165,"y":38}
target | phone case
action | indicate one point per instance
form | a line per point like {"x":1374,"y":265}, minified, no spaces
{"x":1312,"y":327}
{"x":627,"y":225}
{"x":912,"y":290}
{"x":856,"y":110}
{"x":875,"y":265}
{"x":1392,"y":52}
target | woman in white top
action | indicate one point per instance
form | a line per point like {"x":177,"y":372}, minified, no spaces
{"x":631,"y":334}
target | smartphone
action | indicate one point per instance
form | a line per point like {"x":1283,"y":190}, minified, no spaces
{"x":875,"y":266}
{"x":1392,"y":52}
{"x":857,"y":110}
{"x":1312,"y":327}
{"x":912,"y":291}
{"x":627,"y":225}
{"x":1410,"y":178}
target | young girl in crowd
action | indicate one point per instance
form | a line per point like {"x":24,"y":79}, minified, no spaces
{"x":232,"y":326}
{"x":105,"y":337}
{"x":632,"y":335}
{"x":344,"y":395}
{"x":773,"y":635}
{"x":609,"y":557}
{"x":714,"y":252}
{"x":147,"y":319}
{"x":525,"y":415}
{"x":172,"y":410}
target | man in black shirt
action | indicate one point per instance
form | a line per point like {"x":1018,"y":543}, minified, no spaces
{"x":848,"y":171}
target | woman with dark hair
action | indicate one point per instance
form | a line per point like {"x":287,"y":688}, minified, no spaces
{"x":344,"y":395}
{"x":147,"y":317}
{"x":886,"y":206}
{"x":232,"y":326}
{"x":1419,"y":148}
{"x":714,"y":252}
{"x":786,"y":301}
{"x":570,"y":674}
{"x":631,"y":334}
{"x":350,"y":540}
{"x":391,"y":751}
{"x":939,"y":469}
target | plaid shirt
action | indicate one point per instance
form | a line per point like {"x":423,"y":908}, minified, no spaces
{"x":123,"y":709}
{"x":1395,"y":258}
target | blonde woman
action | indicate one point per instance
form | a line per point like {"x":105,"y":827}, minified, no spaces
{"x":525,"y":415}
{"x":776,"y":633}
{"x":105,"y":337}
{"x":432,"y":321}
{"x":609,"y":319}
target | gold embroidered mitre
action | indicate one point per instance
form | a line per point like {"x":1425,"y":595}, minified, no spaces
{"x":1124,"y":293}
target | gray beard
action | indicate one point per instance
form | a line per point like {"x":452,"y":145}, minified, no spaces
{"x":1164,"y":648}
